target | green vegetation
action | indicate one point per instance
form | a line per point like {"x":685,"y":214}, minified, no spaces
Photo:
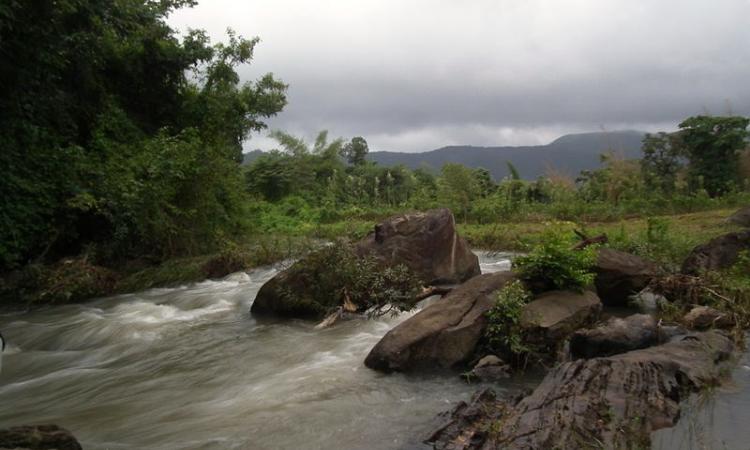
{"x":554,"y":263}
{"x":122,"y":148}
{"x":504,"y":334}
{"x":334,"y":276}
{"x":119,"y":139}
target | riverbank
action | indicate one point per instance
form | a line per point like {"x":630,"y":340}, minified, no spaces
{"x":666,"y":239}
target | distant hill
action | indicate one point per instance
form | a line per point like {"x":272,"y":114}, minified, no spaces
{"x":568,"y":154}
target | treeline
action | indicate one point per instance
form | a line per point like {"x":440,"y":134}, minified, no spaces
{"x":705,"y":164}
{"x":118,"y":139}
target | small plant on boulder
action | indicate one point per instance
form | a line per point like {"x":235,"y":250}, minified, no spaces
{"x":553,"y":263}
{"x":504,"y":334}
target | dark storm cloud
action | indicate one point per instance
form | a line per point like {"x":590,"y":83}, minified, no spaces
{"x":421,"y":74}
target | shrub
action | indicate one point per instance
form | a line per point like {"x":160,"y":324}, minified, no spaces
{"x":554,"y":264}
{"x":336,"y":276}
{"x":503,"y":333}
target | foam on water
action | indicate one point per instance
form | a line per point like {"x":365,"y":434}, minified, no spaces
{"x":189,"y":368}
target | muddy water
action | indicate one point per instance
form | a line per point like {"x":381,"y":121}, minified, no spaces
{"x":189,"y":368}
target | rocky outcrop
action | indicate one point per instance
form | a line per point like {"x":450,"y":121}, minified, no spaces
{"x":443,"y":334}
{"x":741,"y":217}
{"x":39,"y":437}
{"x":615,"y":336}
{"x":705,"y":317}
{"x":613,"y":402}
{"x":718,"y":253}
{"x":489,"y":369}
{"x":554,"y":315}
{"x":620,"y":275}
{"x":427,"y":243}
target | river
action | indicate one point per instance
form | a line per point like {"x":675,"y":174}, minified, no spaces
{"x":189,"y":368}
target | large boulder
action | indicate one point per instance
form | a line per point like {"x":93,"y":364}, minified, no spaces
{"x":612,"y":402}
{"x":615,"y":336}
{"x":443,"y":334}
{"x":427,"y":243}
{"x":620,"y":275}
{"x":741,"y":217}
{"x":718,"y":253}
{"x":555,"y":315}
{"x":38,"y":437}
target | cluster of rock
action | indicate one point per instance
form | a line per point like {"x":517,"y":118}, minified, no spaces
{"x":623,"y":379}
{"x":38,"y":437}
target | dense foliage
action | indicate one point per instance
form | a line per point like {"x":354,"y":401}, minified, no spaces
{"x":504,"y":334}
{"x":118,"y":138}
{"x":554,"y":264}
{"x":335,"y":276}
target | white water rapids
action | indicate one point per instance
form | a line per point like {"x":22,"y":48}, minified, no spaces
{"x":190,"y":368}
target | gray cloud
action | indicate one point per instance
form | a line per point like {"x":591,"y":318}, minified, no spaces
{"x":416,"y":75}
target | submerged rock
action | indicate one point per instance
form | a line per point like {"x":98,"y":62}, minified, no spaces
{"x":554,"y":315}
{"x":612,"y":402}
{"x":489,"y":369}
{"x":620,"y":275}
{"x":425,"y":243}
{"x":718,"y":253}
{"x":615,"y":336}
{"x":443,"y":334}
{"x":741,"y":217}
{"x":705,"y":317}
{"x":38,"y":437}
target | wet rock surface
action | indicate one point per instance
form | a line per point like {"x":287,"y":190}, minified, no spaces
{"x":718,"y":253}
{"x":426,"y":243}
{"x":705,"y":317}
{"x":38,"y":437}
{"x":620,"y":275}
{"x":612,"y":402}
{"x":490,"y":369}
{"x":445,"y":333}
{"x":615,"y":336}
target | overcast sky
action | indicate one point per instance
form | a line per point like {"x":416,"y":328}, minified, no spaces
{"x":415,"y":75}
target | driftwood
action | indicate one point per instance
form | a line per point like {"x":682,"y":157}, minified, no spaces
{"x":350,"y":308}
{"x":586,"y":241}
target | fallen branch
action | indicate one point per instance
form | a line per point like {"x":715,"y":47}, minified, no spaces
{"x":586,"y":241}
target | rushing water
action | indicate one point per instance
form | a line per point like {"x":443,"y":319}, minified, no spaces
{"x":189,"y":368}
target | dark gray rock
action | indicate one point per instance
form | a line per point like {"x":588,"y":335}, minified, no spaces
{"x":38,"y":437}
{"x":615,"y":336}
{"x":443,"y":334}
{"x":741,"y":217}
{"x":612,"y":402}
{"x":620,"y":275}
{"x":705,"y":317}
{"x":718,"y":253}
{"x":490,"y":369}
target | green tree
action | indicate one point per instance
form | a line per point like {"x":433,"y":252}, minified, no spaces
{"x":457,"y":188}
{"x":102,"y":123}
{"x":662,"y":161}
{"x":713,"y":145}
{"x":355,"y":151}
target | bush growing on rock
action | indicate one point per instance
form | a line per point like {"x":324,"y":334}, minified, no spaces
{"x":504,"y":333}
{"x":336,"y":276}
{"x":554,"y":264}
